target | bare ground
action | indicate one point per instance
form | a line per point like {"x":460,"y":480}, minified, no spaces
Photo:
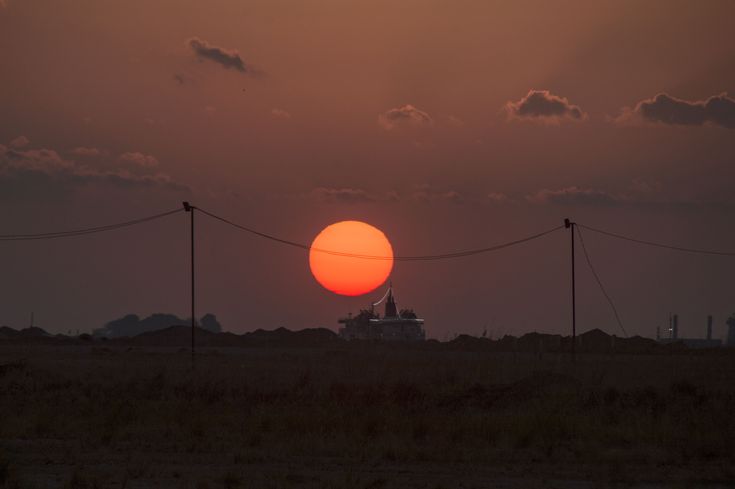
{"x":368,"y":417}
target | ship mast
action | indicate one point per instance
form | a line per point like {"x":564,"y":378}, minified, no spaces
{"x":387,"y":293}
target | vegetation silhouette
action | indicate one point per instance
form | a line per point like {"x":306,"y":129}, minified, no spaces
{"x":132,"y":325}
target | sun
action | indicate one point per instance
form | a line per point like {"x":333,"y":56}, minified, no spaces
{"x":348,"y":275}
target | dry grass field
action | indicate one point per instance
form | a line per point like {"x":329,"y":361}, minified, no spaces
{"x":362,"y":416}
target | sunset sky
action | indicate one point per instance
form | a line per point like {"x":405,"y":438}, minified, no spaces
{"x":446,"y":124}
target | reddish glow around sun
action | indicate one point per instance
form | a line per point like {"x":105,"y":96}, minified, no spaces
{"x":350,"y":275}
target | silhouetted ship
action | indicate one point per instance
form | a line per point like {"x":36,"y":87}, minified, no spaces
{"x":393,"y":326}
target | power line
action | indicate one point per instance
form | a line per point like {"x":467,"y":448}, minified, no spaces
{"x":253,"y":231}
{"x":457,"y":254}
{"x":599,"y":282}
{"x":81,"y":232}
{"x":659,"y":245}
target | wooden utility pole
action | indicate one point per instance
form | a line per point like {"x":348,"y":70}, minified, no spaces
{"x":190,"y":209}
{"x":570,"y":225}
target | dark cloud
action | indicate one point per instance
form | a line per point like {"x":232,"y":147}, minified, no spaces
{"x":43,"y":172}
{"x":718,"y":110}
{"x":228,"y":58}
{"x":542,"y":105}
{"x":404,"y":115}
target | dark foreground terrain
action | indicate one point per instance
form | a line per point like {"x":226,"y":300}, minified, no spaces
{"x":362,"y":416}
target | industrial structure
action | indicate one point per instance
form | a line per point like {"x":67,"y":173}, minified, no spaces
{"x":731,"y":330}
{"x":392,"y":326}
{"x":673,"y":336}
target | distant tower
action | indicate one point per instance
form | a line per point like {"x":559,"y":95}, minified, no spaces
{"x":675,"y":327}
{"x":658,"y":333}
{"x":731,"y":331}
{"x":709,"y":327}
{"x":390,"y":305}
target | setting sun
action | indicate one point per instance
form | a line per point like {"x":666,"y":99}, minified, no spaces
{"x":349,"y":275}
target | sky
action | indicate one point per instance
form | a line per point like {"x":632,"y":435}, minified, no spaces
{"x":449,"y":125}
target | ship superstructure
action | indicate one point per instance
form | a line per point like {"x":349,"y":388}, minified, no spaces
{"x":392,"y":326}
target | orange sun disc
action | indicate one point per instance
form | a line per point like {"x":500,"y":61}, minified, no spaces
{"x":347,"y":275}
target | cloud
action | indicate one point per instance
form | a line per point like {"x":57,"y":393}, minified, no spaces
{"x":409,"y":194}
{"x":280,"y":114}
{"x":343,"y":195}
{"x":638,"y":192}
{"x":228,"y":58}
{"x":424,"y":193}
{"x":139,"y":160}
{"x":36,"y":172}
{"x":455,"y":121}
{"x":498,"y":197}
{"x":453,"y":196}
{"x":349,"y":195}
{"x":406,"y":115}
{"x":542,"y":105}
{"x":574,"y":196}
{"x":86,"y":152}
{"x":19,"y":142}
{"x":43,"y":160}
{"x":718,"y":110}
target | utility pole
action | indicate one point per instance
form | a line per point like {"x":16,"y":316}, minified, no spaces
{"x":190,"y":209}
{"x":570,"y":225}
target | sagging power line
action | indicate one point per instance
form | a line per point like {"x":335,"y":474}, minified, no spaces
{"x":81,"y":232}
{"x":190,"y":208}
{"x":456,"y":254}
{"x":599,"y":282}
{"x":659,"y":245}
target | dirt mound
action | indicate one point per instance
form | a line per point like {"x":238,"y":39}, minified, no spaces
{"x":465,"y":342}
{"x":286,"y":337}
{"x":180,"y":336}
{"x":31,"y":335}
{"x":8,"y":332}
{"x":172,"y":336}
